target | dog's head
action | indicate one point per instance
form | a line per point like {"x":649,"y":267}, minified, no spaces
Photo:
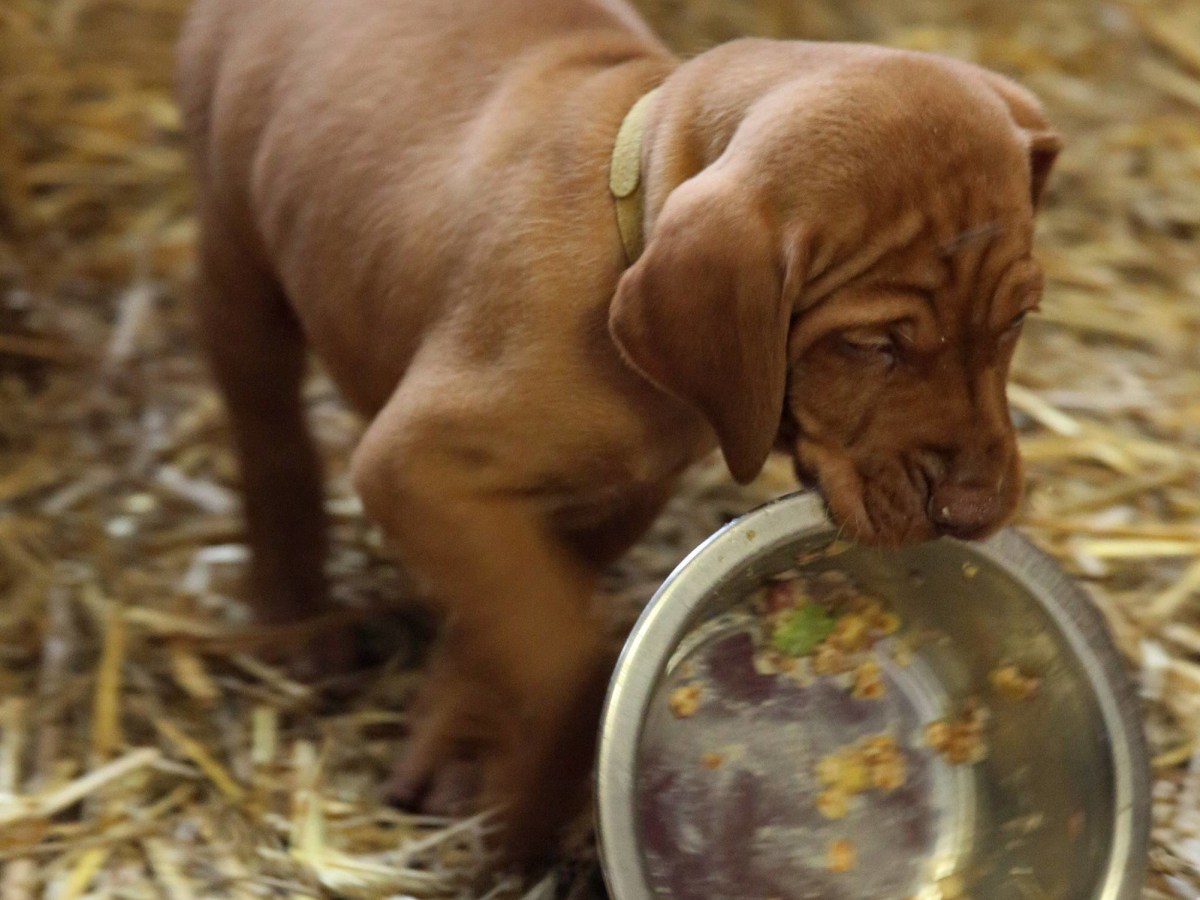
{"x":848,"y":279}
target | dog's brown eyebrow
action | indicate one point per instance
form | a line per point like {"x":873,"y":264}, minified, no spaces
{"x":970,"y":236}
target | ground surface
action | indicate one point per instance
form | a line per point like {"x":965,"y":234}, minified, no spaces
{"x":144,"y":753}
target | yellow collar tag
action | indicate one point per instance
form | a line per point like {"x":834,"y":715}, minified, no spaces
{"x":625,"y":177}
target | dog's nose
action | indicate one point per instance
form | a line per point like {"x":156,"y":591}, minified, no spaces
{"x":964,"y":510}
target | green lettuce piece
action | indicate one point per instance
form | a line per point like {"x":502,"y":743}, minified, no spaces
{"x":803,"y":629}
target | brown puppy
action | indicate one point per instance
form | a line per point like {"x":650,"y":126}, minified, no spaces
{"x":837,"y":261}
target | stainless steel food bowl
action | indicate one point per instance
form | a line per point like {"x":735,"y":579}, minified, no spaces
{"x":721,"y":804}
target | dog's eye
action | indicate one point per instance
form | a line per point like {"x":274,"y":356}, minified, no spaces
{"x":870,"y":344}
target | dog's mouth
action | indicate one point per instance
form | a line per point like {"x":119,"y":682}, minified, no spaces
{"x":886,"y":505}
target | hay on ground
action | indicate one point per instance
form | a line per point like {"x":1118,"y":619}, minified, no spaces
{"x":144,"y":749}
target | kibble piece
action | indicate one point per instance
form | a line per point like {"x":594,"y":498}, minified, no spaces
{"x":829,"y":660}
{"x":874,"y":762}
{"x":878,"y":744}
{"x":832,"y":804}
{"x":887,"y":623}
{"x":890,"y":774}
{"x":685,"y":700}
{"x":851,"y":633}
{"x":868,"y":681}
{"x":711,"y":760}
{"x":937,"y":734}
{"x":841,"y":856}
{"x":1012,"y":685}
{"x":888,"y":767}
{"x":855,"y":777}
{"x":829,"y":768}
{"x":959,"y":740}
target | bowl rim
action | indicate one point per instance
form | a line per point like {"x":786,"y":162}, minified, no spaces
{"x":797,"y":516}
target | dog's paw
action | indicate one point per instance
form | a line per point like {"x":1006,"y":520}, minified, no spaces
{"x":436,"y":774}
{"x":453,"y":721}
{"x":474,"y":749}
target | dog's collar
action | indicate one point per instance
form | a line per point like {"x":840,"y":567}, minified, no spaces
{"x":625,"y":177}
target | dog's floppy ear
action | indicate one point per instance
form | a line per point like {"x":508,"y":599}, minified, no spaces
{"x":1044,"y":147}
{"x":1044,"y":142}
{"x":702,"y":314}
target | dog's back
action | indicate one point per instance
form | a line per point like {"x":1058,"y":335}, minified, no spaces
{"x":357,"y":147}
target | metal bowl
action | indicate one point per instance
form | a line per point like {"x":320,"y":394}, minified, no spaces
{"x":722,"y":803}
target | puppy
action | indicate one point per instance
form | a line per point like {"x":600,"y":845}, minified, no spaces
{"x":824,"y":248}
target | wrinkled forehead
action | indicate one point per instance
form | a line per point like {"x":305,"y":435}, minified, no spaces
{"x":973,"y":279}
{"x":980,"y":277}
{"x":951,"y":251}
{"x":953,"y":239}
{"x":939,"y":139}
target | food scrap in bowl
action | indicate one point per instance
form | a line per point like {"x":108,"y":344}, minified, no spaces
{"x":685,"y":700}
{"x":711,"y":760}
{"x":1011,"y":684}
{"x":960,"y":740}
{"x":875,"y":762}
{"x":868,"y":681}
{"x":800,"y":630}
{"x":823,"y":625}
{"x":886,"y":761}
{"x":840,"y":857}
{"x":833,"y":804}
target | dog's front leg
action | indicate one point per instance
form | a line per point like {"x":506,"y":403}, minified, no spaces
{"x":523,"y":665}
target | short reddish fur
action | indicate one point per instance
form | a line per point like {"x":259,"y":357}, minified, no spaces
{"x":417,"y":190}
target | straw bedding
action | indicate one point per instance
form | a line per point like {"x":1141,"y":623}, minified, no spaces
{"x":146,"y":752}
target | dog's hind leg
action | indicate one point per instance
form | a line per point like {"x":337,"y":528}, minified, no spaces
{"x":256,"y":351}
